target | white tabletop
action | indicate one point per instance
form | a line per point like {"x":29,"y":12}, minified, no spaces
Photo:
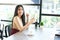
{"x":33,"y":34}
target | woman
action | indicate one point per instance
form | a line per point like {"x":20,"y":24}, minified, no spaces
{"x":18,"y":23}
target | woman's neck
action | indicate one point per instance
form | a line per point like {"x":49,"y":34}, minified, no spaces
{"x":19,"y":16}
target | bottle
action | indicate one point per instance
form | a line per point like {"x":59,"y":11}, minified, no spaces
{"x":36,"y":24}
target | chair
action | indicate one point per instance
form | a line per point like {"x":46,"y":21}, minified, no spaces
{"x":8,"y":30}
{"x":1,"y":34}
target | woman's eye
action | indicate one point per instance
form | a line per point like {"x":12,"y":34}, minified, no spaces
{"x":18,"y":9}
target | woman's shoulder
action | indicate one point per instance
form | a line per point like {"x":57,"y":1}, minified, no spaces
{"x":16,"y":17}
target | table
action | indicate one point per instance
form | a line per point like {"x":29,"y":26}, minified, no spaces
{"x":35,"y":34}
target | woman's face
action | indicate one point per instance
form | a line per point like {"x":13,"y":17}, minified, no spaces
{"x":20,"y":11}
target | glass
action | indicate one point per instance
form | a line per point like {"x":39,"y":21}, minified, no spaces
{"x":50,"y":21}
{"x":20,"y":1}
{"x":33,"y":11}
{"x":50,"y":7}
{"x":7,"y":11}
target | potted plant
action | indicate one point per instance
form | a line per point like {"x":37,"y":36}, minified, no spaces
{"x":41,"y":24}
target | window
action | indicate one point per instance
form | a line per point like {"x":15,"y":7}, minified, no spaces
{"x":50,"y":7}
{"x":50,"y":13}
{"x":7,"y":8}
{"x":20,"y":1}
{"x":50,"y":21}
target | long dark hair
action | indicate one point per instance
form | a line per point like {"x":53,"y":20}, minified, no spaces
{"x":23,"y":16}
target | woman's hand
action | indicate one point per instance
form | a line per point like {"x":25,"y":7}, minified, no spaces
{"x":32,"y":20}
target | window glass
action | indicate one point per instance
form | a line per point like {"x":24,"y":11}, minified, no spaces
{"x":7,"y":11}
{"x":50,"y":21}
{"x":51,"y":7}
{"x":20,"y":1}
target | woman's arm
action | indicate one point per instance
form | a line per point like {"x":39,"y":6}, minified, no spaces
{"x":19,"y":24}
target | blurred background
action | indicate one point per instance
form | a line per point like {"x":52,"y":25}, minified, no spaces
{"x":7,"y":8}
{"x":45,"y":12}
